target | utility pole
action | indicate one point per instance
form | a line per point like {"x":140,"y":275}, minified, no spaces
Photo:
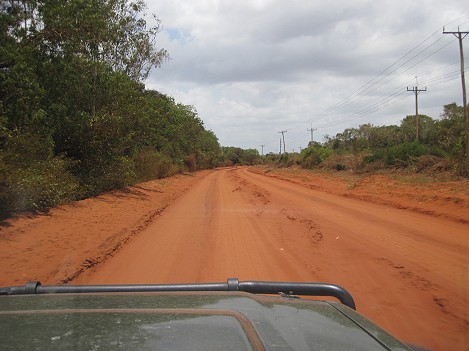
{"x":262,"y":146}
{"x":280,"y":153}
{"x":416,"y":90}
{"x":283,"y":137}
{"x":461,"y":35}
{"x":312,"y":130}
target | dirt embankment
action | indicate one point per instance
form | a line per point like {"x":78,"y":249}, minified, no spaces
{"x":57,"y":247}
{"x":412,"y":192}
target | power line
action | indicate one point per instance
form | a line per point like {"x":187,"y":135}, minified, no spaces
{"x":416,"y":91}
{"x":380,"y":80}
{"x":368,"y":87}
{"x":312,"y":130}
{"x":283,"y":137}
{"x":393,"y":79}
{"x":366,"y":110}
{"x":383,"y":102}
{"x":262,"y":146}
{"x":460,"y":36}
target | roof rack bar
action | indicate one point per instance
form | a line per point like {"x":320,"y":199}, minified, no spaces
{"x":232,"y":284}
{"x":308,"y":289}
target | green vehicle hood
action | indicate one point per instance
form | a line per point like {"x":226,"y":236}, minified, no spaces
{"x":184,"y":321}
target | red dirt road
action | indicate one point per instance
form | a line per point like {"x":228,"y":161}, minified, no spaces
{"x":407,"y":271}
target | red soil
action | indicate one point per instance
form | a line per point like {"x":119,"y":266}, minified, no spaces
{"x":403,"y":253}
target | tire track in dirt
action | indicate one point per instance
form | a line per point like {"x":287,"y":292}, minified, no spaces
{"x":259,"y":197}
{"x":217,"y":230}
{"x":427,"y":198}
{"x":58,"y":247}
{"x":407,"y":272}
{"x":113,"y":244}
{"x":353,"y":233}
{"x":426,"y":285}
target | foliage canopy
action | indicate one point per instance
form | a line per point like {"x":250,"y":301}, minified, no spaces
{"x":75,"y":118}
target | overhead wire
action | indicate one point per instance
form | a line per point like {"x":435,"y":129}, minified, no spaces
{"x":392,"y":99}
{"x":375,"y":80}
{"x":368,"y":84}
{"x":376,"y":87}
{"x":389,"y":80}
{"x":373,"y":85}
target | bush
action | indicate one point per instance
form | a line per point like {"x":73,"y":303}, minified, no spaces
{"x":227,"y":163}
{"x":31,"y":179}
{"x":191,"y":163}
{"x":99,"y":176}
{"x":314,"y":155}
{"x":399,"y":155}
{"x":288,"y":160}
{"x":42,"y":185}
{"x":150,"y":164}
{"x":344,"y":162}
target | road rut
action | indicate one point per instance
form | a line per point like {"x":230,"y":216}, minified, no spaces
{"x":407,"y":271}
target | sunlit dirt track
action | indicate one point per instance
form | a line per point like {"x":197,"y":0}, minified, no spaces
{"x":407,"y":271}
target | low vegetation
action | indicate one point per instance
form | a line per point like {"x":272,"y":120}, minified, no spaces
{"x":439,"y":147}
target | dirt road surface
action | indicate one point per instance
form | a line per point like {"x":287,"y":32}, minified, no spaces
{"x":407,"y":271}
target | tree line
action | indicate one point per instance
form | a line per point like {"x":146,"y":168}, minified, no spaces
{"x":437,"y":144}
{"x":75,"y":117}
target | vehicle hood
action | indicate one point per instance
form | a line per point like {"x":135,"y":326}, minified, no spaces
{"x":184,"y":321}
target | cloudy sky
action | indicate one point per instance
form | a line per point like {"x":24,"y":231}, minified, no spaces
{"x":253,"y":68}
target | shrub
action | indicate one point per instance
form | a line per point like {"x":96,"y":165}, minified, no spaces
{"x":31,"y":179}
{"x":314,"y":155}
{"x":42,"y":185}
{"x":103,"y":175}
{"x":191,"y":163}
{"x":433,"y":164}
{"x":288,"y":160}
{"x":352,"y":162}
{"x":401,"y":154}
{"x":151,"y":164}
{"x":227,"y":163}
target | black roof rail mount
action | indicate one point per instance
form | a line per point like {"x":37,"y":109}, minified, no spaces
{"x":232,"y":284}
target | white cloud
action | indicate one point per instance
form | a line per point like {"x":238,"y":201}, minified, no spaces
{"x":253,"y":68}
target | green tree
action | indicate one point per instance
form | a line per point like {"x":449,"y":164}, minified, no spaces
{"x":314,"y":155}
{"x":234,"y":154}
{"x":408,"y":129}
{"x":210,"y":154}
{"x":71,"y":75}
{"x":110,"y":31}
{"x":251,"y":156}
{"x":450,"y":130}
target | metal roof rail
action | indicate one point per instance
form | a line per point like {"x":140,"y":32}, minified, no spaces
{"x":232,"y":284}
